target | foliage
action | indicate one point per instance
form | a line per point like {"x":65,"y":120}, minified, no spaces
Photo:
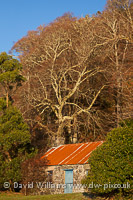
{"x":9,"y":68}
{"x":14,"y":143}
{"x":10,"y":77}
{"x":112,"y":163}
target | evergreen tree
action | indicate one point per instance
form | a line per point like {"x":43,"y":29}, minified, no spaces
{"x":10,"y":77}
{"x":14,"y":143}
{"x":15,"y":139}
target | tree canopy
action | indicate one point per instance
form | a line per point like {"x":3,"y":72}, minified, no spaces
{"x":78,"y":73}
{"x":10,"y":74}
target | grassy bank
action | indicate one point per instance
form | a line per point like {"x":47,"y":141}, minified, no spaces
{"x":14,"y":196}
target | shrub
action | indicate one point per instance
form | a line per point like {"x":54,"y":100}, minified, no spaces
{"x":112,"y":163}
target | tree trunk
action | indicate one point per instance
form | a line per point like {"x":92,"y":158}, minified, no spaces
{"x":118,"y":87}
{"x":118,"y":99}
{"x":7,"y":99}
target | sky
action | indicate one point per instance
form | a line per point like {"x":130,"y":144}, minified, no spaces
{"x":17,"y":17}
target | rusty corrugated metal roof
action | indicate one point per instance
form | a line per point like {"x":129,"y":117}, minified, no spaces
{"x":71,"y":154}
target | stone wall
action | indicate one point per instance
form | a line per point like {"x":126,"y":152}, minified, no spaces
{"x":58,"y":179}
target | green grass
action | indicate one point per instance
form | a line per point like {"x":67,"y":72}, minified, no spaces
{"x":77,"y":196}
{"x":11,"y":196}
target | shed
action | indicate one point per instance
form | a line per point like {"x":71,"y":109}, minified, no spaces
{"x":67,"y":166}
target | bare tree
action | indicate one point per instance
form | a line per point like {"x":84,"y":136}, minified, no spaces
{"x":78,"y":71}
{"x":113,"y":33}
{"x":62,"y":74}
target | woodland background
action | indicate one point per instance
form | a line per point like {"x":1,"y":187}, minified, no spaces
{"x":78,"y":76}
